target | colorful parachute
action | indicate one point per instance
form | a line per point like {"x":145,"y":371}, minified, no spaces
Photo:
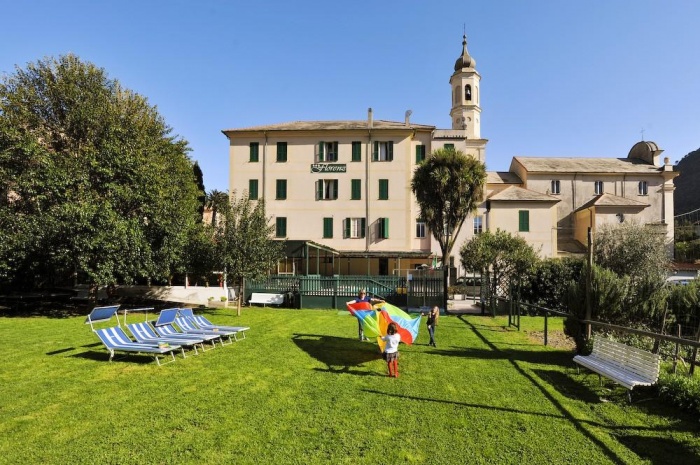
{"x":375,"y":320}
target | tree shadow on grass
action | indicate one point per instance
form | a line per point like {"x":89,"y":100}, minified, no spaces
{"x":539,"y":357}
{"x":340,"y":355}
{"x":568,"y":386}
{"x":661,"y":450}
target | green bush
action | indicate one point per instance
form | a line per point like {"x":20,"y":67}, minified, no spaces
{"x":681,"y":391}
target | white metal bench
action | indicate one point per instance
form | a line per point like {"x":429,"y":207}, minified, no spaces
{"x":265,"y":298}
{"x":621,"y":363}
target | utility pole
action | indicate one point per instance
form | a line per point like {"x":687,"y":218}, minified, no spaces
{"x":589,"y":284}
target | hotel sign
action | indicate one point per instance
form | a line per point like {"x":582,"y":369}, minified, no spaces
{"x":328,"y":168}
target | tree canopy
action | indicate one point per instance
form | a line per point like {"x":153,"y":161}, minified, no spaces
{"x":499,"y":254}
{"x":448,"y":186}
{"x":243,"y":244}
{"x":92,"y":180}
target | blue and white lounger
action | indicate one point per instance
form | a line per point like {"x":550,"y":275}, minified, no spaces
{"x":188,"y":327}
{"x":168,"y":330}
{"x":145,"y":334}
{"x":115,"y":340}
{"x":203,"y":323}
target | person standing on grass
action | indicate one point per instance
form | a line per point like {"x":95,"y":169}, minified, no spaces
{"x":433,"y":316}
{"x":391,"y":351}
{"x":363,"y":297}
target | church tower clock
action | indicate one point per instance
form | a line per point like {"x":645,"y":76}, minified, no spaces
{"x":466,"y":111}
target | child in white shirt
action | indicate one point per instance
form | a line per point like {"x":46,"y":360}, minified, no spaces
{"x":391,"y":351}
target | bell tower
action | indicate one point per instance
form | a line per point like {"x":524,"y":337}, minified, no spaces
{"x":466,"y":111}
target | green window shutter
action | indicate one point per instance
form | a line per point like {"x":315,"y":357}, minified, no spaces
{"x":334,"y":194}
{"x":281,"y":151}
{"x":253,"y":189}
{"x":390,"y":151}
{"x":281,"y":193}
{"x":357,"y":151}
{"x":328,"y":228}
{"x":420,"y":153}
{"x":355,"y":189}
{"x":449,"y":146}
{"x":254,"y":151}
{"x":384,"y":228}
{"x":383,"y":189}
{"x":319,"y":189}
{"x":346,"y":228}
{"x":375,"y":151}
{"x":335,"y":151}
{"x":281,"y":227}
{"x":363,"y":226}
{"x":321,"y":148}
{"x":524,"y":220}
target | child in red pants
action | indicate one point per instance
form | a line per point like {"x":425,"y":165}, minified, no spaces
{"x":391,"y":351}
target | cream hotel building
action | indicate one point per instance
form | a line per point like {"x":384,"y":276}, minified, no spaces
{"x":340,"y":191}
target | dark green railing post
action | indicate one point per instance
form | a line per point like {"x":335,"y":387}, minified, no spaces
{"x":546,"y":315}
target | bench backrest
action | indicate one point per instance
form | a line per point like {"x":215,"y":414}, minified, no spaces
{"x":643,"y":363}
{"x":260,"y":297}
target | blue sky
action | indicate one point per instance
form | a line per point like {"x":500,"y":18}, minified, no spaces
{"x":559,"y":78}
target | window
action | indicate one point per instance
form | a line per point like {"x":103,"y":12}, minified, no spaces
{"x":468,"y":92}
{"x":383,"y":228}
{"x":327,"y":151}
{"x":449,"y":146}
{"x":420,"y":153}
{"x":281,"y":152}
{"x":420,"y":229}
{"x":383,"y":151}
{"x":357,"y":151}
{"x":478,"y":224}
{"x":383,"y":189}
{"x":524,"y":220}
{"x":556,"y":186}
{"x":254,"y":150}
{"x":354,"y":228}
{"x":281,"y":227}
{"x":599,"y":187}
{"x":356,"y":189}
{"x":328,"y":228}
{"x":643,"y":188}
{"x":253,"y":189}
{"x":281,"y":190}
{"x":326,"y":189}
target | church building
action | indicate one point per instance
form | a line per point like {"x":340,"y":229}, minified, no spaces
{"x":340,"y":192}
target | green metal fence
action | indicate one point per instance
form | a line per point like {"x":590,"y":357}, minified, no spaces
{"x":334,"y":291}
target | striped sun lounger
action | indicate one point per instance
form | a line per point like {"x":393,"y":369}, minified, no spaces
{"x":203,"y":323}
{"x":145,"y":334}
{"x":168,"y":330}
{"x":188,"y":327}
{"x":115,"y":340}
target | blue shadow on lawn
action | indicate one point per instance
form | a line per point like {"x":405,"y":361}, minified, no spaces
{"x":339,"y":354}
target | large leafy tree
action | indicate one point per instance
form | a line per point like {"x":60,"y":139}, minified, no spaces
{"x":244,"y":247}
{"x":94,"y":182}
{"x":448,"y":186}
{"x":499,"y":255}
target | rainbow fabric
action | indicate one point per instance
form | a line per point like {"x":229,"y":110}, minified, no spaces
{"x":375,"y":320}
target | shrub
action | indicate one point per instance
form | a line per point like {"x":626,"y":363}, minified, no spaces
{"x":681,"y":391}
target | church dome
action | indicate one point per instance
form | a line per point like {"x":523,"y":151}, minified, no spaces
{"x":464,"y":61}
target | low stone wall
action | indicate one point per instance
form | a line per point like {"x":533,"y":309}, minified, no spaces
{"x":194,"y":295}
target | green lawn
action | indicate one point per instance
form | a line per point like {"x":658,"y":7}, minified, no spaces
{"x":301,"y":389}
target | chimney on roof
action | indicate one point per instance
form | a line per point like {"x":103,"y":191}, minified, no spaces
{"x":408,"y":117}
{"x":370,"y":119}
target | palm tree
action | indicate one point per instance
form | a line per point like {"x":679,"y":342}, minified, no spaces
{"x":217,"y":201}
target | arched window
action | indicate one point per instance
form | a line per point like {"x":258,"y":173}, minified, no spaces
{"x":468,"y":92}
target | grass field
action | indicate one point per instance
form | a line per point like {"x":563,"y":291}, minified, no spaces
{"x":302,"y":389}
